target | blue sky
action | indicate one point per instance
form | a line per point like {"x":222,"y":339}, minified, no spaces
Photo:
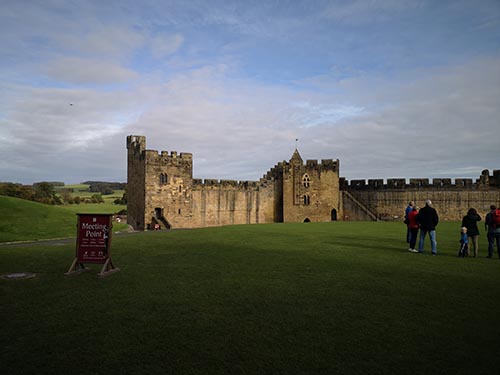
{"x":403,"y":88}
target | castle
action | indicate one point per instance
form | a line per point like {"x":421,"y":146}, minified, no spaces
{"x":162,"y":192}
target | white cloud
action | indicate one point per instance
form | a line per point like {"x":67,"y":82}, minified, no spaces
{"x":363,"y":11}
{"x":191,"y":77}
{"x":165,"y":45}
{"x":110,"y":42}
{"x":428,"y":123}
{"x":88,"y":71}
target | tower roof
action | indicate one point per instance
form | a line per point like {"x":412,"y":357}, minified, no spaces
{"x":296,"y":158}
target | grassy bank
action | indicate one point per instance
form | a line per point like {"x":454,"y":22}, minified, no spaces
{"x":22,"y":220}
{"x":278,"y":299}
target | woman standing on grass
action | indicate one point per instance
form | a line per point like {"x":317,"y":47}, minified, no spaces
{"x":413,"y":228}
{"x":470,"y":222}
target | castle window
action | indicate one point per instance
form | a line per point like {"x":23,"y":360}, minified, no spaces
{"x":307,"y":200}
{"x":179,"y":211}
{"x":163,"y":178}
{"x":306,"y":181}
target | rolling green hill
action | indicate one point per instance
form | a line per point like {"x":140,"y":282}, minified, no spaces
{"x":22,"y":220}
{"x":26,"y":220}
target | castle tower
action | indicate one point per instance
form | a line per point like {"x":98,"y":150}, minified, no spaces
{"x":310,"y":192}
{"x":159,"y":187}
{"x":136,"y":193}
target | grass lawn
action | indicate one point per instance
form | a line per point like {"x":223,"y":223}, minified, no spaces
{"x":98,"y":208}
{"x":313,"y":298}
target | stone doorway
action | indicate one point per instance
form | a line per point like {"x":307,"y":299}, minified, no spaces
{"x":158,"y":212}
{"x":334,"y":214}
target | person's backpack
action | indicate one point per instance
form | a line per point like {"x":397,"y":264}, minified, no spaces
{"x":495,"y":218}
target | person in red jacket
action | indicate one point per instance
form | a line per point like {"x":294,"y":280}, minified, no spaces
{"x":413,"y":228}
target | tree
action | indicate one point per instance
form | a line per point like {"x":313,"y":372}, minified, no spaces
{"x":66,"y":195}
{"x":97,"y":198}
{"x":122,"y":200}
{"x":16,"y":190}
{"x":43,"y":190}
{"x":44,"y":193}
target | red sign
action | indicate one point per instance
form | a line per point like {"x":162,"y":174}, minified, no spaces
{"x":93,"y":238}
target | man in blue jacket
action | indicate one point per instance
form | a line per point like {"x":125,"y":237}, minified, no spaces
{"x":428,"y":219}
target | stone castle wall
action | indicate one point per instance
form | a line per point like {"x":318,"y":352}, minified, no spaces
{"x":162,"y":191}
{"x":452,"y":198}
{"x":224,"y":202}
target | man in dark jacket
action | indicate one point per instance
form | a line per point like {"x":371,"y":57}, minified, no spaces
{"x":428,"y":219}
{"x":493,"y":232}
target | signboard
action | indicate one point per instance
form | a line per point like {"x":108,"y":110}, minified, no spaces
{"x":93,"y":244}
{"x":93,"y":241}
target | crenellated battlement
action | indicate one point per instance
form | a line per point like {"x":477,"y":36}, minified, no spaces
{"x":199,"y":183}
{"x":164,"y":157}
{"x":273,"y":174}
{"x":175,"y":155}
{"x":325,"y":164}
{"x":484,"y":182}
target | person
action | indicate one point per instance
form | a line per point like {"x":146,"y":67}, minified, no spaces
{"x":413,"y":229}
{"x":493,"y":233}
{"x":407,"y":212}
{"x":428,"y":219}
{"x":470,"y":222}
{"x":464,"y":243}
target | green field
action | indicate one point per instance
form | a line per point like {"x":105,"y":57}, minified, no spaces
{"x":82,"y":190}
{"x":315,"y":298}
{"x":22,"y":220}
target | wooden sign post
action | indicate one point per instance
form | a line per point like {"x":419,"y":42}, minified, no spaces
{"x":93,"y":244}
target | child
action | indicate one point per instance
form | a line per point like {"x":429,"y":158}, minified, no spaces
{"x":464,"y":243}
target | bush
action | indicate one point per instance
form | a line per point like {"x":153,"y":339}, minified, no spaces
{"x":16,"y":190}
{"x":96,"y":198}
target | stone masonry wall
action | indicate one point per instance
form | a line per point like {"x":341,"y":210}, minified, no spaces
{"x":136,"y":181}
{"x":311,"y":191}
{"x":224,"y":203}
{"x":168,"y":187}
{"x":452,"y":199}
{"x":451,"y":205}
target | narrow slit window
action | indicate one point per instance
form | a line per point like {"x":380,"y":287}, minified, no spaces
{"x":163,"y":178}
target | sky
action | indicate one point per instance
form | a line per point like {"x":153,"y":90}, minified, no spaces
{"x":391,"y":88}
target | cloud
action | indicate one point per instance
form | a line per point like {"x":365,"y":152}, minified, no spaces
{"x":424,"y":123}
{"x":88,"y":71}
{"x":436,"y":121}
{"x":44,"y":137}
{"x":236,"y":84}
{"x":166,"y":44}
{"x":371,"y":11}
{"x":110,"y":42}
{"x":420,"y":124}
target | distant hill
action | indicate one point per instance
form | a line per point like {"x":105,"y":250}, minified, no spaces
{"x":112,"y":185}
{"x":26,"y":220}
